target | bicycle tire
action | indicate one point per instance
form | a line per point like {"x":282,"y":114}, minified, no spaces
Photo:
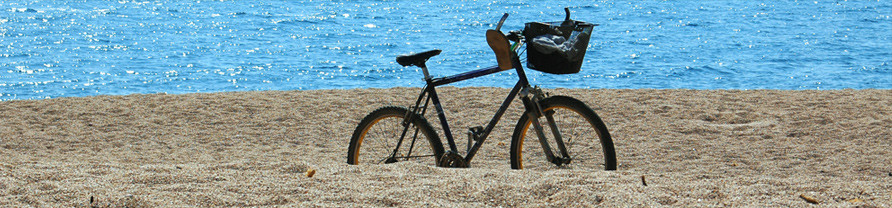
{"x":568,"y":112}
{"x":378,"y":144}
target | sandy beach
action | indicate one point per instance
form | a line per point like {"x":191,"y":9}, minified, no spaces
{"x":692,"y":148}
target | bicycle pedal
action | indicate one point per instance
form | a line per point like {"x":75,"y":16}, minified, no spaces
{"x":476,"y":131}
{"x":473,"y":136}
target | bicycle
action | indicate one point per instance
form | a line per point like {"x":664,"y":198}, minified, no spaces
{"x":404,"y":126}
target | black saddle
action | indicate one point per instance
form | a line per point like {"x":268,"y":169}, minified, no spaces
{"x":417,"y":59}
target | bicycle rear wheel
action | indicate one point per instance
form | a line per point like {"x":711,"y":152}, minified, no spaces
{"x":378,"y":135}
{"x":585,"y":136}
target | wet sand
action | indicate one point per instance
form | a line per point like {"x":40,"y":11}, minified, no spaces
{"x":765,"y":148}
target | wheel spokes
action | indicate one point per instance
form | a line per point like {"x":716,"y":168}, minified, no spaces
{"x":383,"y":138}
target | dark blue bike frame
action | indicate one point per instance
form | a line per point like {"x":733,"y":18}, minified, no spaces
{"x":431,"y":93}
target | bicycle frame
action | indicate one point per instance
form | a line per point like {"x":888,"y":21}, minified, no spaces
{"x":522,"y":87}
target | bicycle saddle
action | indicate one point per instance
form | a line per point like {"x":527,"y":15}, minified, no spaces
{"x":416,"y":59}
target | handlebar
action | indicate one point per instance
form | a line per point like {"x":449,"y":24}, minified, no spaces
{"x":515,"y":35}
{"x":502,"y":21}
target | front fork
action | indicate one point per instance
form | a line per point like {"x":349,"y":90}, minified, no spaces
{"x":532,"y":97}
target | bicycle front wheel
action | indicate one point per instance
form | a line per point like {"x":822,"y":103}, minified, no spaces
{"x":585,"y":137}
{"x":377,"y":139}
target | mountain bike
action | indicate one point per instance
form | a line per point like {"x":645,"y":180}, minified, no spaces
{"x":565,"y":131}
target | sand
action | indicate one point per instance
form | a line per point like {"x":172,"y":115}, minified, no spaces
{"x":693,"y":148}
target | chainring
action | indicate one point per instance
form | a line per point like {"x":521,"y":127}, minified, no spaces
{"x":451,"y":159}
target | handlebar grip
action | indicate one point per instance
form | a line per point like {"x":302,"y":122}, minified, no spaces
{"x":567,"y":10}
{"x":499,"y":26}
{"x":567,"y":20}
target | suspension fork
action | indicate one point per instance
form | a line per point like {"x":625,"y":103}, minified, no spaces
{"x":535,"y":111}
{"x":559,"y":140}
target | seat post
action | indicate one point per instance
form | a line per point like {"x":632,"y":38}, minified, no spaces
{"x":427,"y":76}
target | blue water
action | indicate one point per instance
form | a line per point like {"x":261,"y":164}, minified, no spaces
{"x":52,"y":49}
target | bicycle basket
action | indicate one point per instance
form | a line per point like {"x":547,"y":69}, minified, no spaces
{"x":557,"y":47}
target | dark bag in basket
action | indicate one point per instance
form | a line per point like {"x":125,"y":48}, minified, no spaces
{"x":557,"y":47}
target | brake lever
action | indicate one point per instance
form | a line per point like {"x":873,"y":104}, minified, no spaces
{"x":514,"y":35}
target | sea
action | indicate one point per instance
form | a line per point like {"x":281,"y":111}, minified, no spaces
{"x":76,"y":48}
